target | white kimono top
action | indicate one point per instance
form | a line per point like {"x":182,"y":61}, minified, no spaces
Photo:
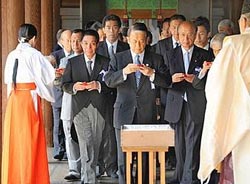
{"x":32,"y":67}
{"x":227,"y":118}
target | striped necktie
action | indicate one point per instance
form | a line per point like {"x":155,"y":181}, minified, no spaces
{"x":137,"y":73}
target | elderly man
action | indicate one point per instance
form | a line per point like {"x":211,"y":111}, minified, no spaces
{"x":227,"y":118}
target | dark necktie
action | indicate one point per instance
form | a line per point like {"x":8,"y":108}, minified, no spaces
{"x":89,"y":67}
{"x":137,"y":73}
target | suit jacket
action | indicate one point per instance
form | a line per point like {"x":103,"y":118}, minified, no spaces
{"x":195,"y":97}
{"x":130,"y":99}
{"x":103,"y":48}
{"x":58,"y":93}
{"x":163,"y":45}
{"x":76,"y":71}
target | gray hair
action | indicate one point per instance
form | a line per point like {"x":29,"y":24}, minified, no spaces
{"x":218,"y":39}
{"x":226,"y":22}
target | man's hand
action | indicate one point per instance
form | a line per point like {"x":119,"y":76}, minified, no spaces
{"x":59,"y":72}
{"x":80,"y":86}
{"x":207,"y":65}
{"x":146,"y":70}
{"x":178,"y":77}
{"x":93,"y":85}
{"x":131,"y":68}
{"x":189,"y":77}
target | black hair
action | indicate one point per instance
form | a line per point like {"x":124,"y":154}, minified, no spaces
{"x":124,"y":31}
{"x":177,"y":17}
{"x":91,"y":32}
{"x":166,"y":20}
{"x":96,"y":26}
{"x":89,"y":24}
{"x":112,"y":17}
{"x":26,"y":32}
{"x":78,"y":31}
{"x":138,"y":26}
{"x":202,"y":21}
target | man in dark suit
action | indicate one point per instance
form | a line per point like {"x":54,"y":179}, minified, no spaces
{"x":185,"y":105}
{"x":135,"y":73}
{"x":58,"y":133}
{"x":58,"y":45}
{"x":163,"y":47}
{"x":83,"y":78}
{"x":203,"y":34}
{"x":107,"y":157}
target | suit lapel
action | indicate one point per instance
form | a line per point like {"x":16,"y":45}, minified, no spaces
{"x":128,"y":59}
{"x":83,"y":65}
{"x":146,"y":61}
{"x":194,"y":59}
{"x":97,"y":68}
{"x":179,"y":60}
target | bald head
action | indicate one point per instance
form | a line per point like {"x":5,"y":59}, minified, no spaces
{"x":187,"y":33}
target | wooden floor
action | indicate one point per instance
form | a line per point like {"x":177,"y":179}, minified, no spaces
{"x":58,"y":169}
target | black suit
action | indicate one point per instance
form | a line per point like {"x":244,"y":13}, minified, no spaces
{"x":164,"y":47}
{"x":187,"y":116}
{"x":108,"y":151}
{"x":134,"y":105}
{"x":88,"y":109}
{"x":75,"y":71}
{"x":58,"y":133}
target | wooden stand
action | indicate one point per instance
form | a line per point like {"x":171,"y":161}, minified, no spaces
{"x":146,"y":138}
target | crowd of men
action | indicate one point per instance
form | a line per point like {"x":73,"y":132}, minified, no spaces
{"x":106,"y":79}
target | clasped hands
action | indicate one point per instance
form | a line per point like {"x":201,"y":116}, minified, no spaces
{"x":178,"y":77}
{"x":81,"y":86}
{"x":144,"y":69}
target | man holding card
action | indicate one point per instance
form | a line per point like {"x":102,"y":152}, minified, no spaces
{"x":135,"y":73}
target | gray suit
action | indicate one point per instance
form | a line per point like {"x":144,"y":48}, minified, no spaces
{"x":58,"y":133}
{"x":88,"y":110}
{"x":72,"y":147}
{"x":134,"y":105}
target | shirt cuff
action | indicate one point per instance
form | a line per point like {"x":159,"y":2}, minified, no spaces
{"x":202,"y":74}
{"x":124,"y":75}
{"x":100,"y":87}
{"x":152,"y":77}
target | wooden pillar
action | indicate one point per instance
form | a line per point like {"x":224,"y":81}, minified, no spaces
{"x":12,"y":16}
{"x":1,"y":111}
{"x":56,"y":19}
{"x":46,"y":48}
{"x":33,"y":16}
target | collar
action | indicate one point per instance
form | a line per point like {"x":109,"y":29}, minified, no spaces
{"x":66,"y":53}
{"x":89,"y":59}
{"x":114,"y":44}
{"x":174,"y":42}
{"x":206,"y":46}
{"x":184,"y":51}
{"x":141,"y":55}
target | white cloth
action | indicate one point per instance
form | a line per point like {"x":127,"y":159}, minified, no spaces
{"x":227,"y":118}
{"x":32,"y":67}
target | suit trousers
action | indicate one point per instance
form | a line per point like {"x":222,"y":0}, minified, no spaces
{"x":72,"y":149}
{"x":89,"y":125}
{"x":107,"y":160}
{"x":58,"y":133}
{"x":187,"y":148}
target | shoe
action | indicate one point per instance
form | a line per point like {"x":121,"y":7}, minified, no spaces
{"x":71,"y":177}
{"x":58,"y":156}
